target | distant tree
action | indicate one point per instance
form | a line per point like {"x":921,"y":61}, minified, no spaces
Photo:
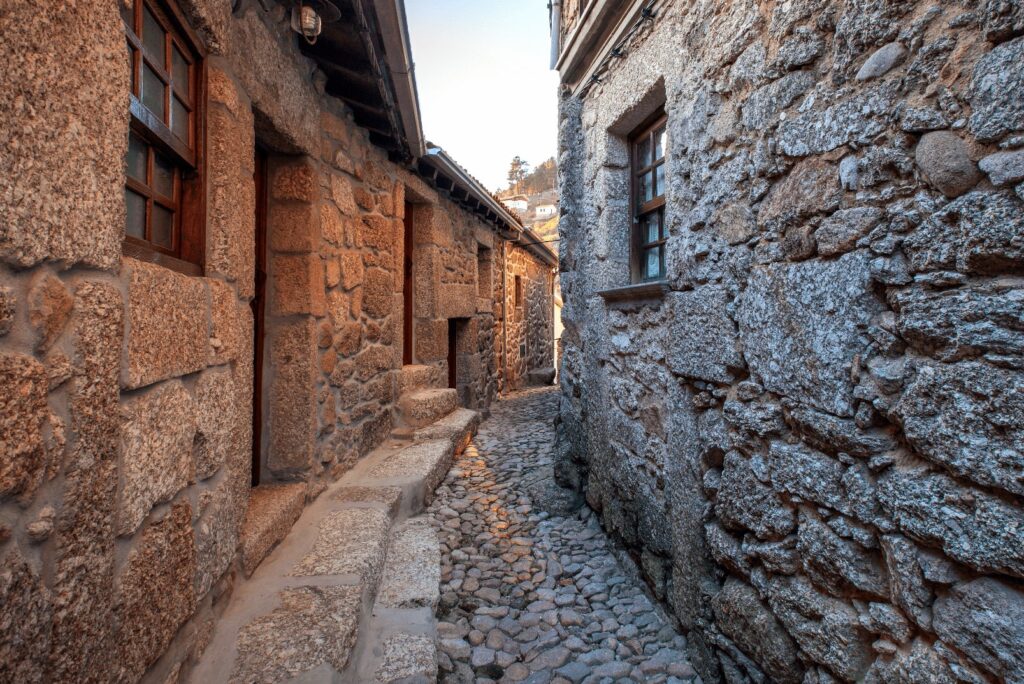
{"x":542,"y":179}
{"x":517,"y":173}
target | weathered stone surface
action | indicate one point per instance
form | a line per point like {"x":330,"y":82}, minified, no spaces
{"x":968,"y":417}
{"x":298,"y":285}
{"x":293,"y":397}
{"x":702,"y":337}
{"x":23,"y":415}
{"x":156,"y":593}
{"x":374,"y":360}
{"x":423,"y":407}
{"x":762,"y":107}
{"x":24,"y":621}
{"x":157,"y":449}
{"x":412,"y":572}
{"x":426,"y":462}
{"x":407,"y":657}
{"x":219,"y":422}
{"x":962,"y":323}
{"x":226,"y":343}
{"x":741,"y":615}
{"x":817,"y":132}
{"x":984,"y":618}
{"x":377,"y":293}
{"x":921,"y":664}
{"x":221,"y":512}
{"x":8,"y":309}
{"x":946,"y":163}
{"x":997,"y":92}
{"x":826,"y":629}
{"x":744,"y":502}
{"x":313,"y":626}
{"x":49,"y":307}
{"x":84,"y":539}
{"x":296,"y":181}
{"x":909,"y":590}
{"x":350,"y":542}
{"x":62,"y":196}
{"x":812,"y":187}
{"x":881,"y":61}
{"x":972,"y":526}
{"x":840,"y":232}
{"x":829,"y":433}
{"x":837,"y":565}
{"x":168,"y":324}
{"x":978,"y":233}
{"x":272,"y":511}
{"x":1004,"y":168}
{"x":735,"y":223}
{"x":801,"y":325}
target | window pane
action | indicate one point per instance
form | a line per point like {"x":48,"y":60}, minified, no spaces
{"x":153,"y":37}
{"x":153,"y":92}
{"x":643,"y":153}
{"x":163,"y":226}
{"x":652,"y":232}
{"x":179,"y":70}
{"x":136,"y":223}
{"x":179,"y":119}
{"x":135,"y":162}
{"x":660,"y":142}
{"x":646,"y":187}
{"x":163,"y":176}
{"x":652,"y":263}
{"x":659,"y":189}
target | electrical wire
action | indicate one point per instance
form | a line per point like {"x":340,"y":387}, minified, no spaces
{"x":647,"y":14}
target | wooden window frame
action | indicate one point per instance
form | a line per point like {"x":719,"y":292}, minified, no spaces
{"x":187,"y":252}
{"x":639,"y":210}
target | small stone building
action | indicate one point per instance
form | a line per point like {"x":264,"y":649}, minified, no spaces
{"x":224,"y":251}
{"x":793,"y":371}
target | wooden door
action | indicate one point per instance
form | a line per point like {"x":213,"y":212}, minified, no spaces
{"x":257,"y":304}
{"x":407,"y":286}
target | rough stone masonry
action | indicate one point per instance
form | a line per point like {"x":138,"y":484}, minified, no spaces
{"x":812,"y":436}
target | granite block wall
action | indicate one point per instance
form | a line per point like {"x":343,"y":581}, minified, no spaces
{"x":811,"y":439}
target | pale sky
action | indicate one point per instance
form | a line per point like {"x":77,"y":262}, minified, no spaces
{"x":486,"y":92}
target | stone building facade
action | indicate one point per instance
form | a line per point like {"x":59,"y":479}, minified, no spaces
{"x":165,"y":417}
{"x":807,"y":422}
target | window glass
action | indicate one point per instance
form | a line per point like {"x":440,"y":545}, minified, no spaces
{"x":646,"y":187}
{"x":163,"y":176}
{"x":179,"y":71}
{"x":659,"y":183}
{"x":135,"y":162}
{"x":136,"y":206}
{"x":153,"y":92}
{"x":153,"y":37}
{"x":643,"y":153}
{"x":179,"y":119}
{"x":652,"y":263}
{"x":163,"y":227}
{"x":660,"y":142}
{"x":653,"y":232}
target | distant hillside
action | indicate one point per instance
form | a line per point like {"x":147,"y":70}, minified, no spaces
{"x":541,"y":179}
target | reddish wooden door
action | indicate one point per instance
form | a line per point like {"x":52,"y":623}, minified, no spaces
{"x":407,"y":287}
{"x":257,"y":304}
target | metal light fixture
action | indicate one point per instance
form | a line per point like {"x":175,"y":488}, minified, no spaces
{"x":309,"y":16}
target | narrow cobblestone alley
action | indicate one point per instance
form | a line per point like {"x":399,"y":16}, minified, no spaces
{"x":531,"y":588}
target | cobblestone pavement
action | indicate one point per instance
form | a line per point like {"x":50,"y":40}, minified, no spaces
{"x":531,"y":589}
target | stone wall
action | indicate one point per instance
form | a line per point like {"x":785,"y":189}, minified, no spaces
{"x":126,"y":389}
{"x":529,"y":341}
{"x":812,"y":440}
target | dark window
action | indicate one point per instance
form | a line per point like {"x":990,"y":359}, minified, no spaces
{"x":648,"y":149}
{"x":163,"y":186}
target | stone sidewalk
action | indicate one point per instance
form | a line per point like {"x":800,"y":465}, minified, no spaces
{"x":531,"y":589}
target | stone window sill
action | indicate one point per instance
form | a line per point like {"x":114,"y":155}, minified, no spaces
{"x":637,"y":292}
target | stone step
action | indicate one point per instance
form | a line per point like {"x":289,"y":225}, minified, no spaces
{"x":412,"y":571}
{"x":418,"y":469}
{"x":351,"y":541}
{"x":416,"y":377}
{"x":459,"y":426}
{"x":422,"y":407}
{"x":272,"y":511}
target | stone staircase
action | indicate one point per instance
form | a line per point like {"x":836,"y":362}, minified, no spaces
{"x":349,"y":594}
{"x":420,"y":402}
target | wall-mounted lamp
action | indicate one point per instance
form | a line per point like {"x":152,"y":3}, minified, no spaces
{"x":309,"y":16}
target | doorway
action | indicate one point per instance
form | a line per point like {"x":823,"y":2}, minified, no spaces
{"x":407,"y":286}
{"x":453,"y":353}
{"x":258,"y":308}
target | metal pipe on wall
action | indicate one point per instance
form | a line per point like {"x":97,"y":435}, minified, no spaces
{"x":555,"y":8}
